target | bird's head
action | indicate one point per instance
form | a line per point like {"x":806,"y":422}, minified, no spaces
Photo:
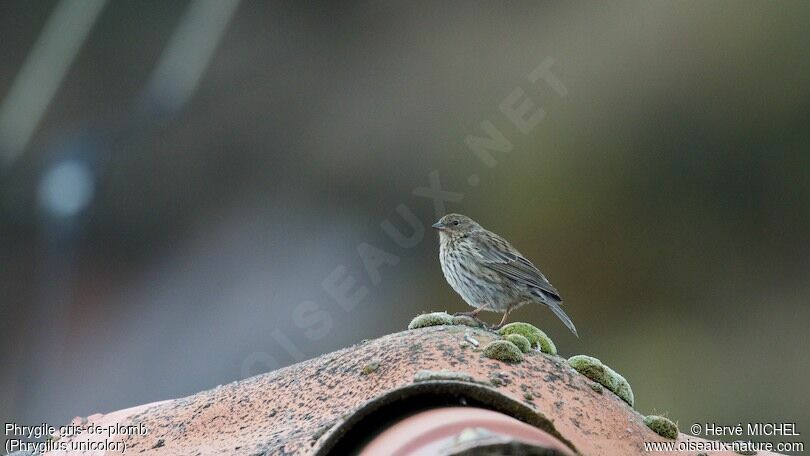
{"x":456,"y":225}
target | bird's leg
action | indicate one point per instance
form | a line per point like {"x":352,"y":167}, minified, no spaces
{"x":473,"y":313}
{"x":503,"y":320}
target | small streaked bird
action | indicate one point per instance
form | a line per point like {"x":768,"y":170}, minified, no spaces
{"x":489,"y":273}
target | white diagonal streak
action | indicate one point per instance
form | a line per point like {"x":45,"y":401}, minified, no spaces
{"x":42,"y":73}
{"x":189,"y":51}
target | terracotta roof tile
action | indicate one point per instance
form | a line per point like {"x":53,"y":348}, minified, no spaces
{"x":317,"y":404}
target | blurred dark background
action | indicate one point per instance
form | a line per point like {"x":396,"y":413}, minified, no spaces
{"x":179,"y":180}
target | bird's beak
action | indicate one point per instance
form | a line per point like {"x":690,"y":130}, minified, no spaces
{"x":439,"y":226}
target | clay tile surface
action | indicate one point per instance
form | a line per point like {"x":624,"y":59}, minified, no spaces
{"x":314,"y":406}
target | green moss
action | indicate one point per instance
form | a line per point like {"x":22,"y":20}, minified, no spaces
{"x":503,"y":350}
{"x":547,"y":345}
{"x":662,"y":426}
{"x":466,"y":320}
{"x":431,"y":319}
{"x":370,"y":368}
{"x":537,"y":338}
{"x":522,"y":343}
{"x":600,"y":373}
{"x":623,"y":389}
{"x":429,"y":375}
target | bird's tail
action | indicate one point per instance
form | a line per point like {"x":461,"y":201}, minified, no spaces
{"x":555,"y":307}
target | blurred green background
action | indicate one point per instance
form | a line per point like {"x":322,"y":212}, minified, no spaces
{"x":199,"y":170}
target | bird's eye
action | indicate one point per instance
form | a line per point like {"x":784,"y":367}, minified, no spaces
{"x":455,"y":223}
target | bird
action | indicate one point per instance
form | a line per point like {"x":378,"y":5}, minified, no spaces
{"x":490,"y":274}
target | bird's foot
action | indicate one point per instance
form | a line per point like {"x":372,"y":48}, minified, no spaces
{"x":503,"y":321}
{"x":472,"y":314}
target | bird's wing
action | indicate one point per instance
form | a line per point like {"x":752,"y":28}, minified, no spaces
{"x":498,"y":255}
